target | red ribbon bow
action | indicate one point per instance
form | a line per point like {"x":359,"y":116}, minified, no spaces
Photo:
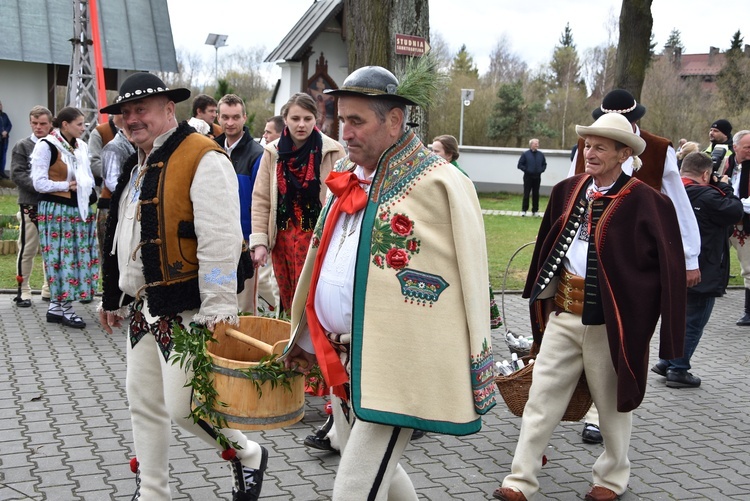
{"x":346,"y":186}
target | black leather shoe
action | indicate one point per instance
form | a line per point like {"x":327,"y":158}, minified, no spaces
{"x":745,"y":320}
{"x":660,"y":369}
{"x":315,"y":442}
{"x":22,"y":303}
{"x":417,"y":434}
{"x":682,"y":379}
{"x":75,"y":321}
{"x":591,"y":434}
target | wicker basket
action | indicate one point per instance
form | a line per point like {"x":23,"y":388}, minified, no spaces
{"x":515,"y":392}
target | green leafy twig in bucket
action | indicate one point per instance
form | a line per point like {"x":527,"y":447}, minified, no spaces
{"x":191,"y":352}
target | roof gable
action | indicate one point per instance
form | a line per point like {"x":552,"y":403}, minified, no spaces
{"x":294,"y":45}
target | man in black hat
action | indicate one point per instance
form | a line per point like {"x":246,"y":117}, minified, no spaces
{"x":658,"y":168}
{"x":170,"y":257}
{"x":720,"y":148}
{"x":393,"y":281}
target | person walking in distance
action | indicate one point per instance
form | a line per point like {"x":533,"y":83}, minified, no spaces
{"x":533,"y":164}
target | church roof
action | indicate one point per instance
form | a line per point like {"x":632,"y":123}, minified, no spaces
{"x":295,"y":43}
{"x":137,"y":34}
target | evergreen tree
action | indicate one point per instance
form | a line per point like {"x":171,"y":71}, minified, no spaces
{"x":674,"y":42}
{"x":514,"y":119}
{"x":567,"y":89}
{"x":463,"y":64}
{"x":734,"y":78}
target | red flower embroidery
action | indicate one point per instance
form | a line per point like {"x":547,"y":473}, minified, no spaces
{"x":401,"y":225}
{"x":412,"y":245}
{"x":379,"y":261}
{"x":397,"y":258}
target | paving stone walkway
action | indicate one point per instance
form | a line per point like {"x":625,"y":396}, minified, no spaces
{"x":65,"y":428}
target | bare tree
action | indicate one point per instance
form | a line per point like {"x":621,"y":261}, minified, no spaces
{"x":440,"y":51}
{"x":371,"y":28}
{"x":599,"y":62}
{"x":633,"y":49}
{"x":676,"y":107}
{"x":506,"y":66}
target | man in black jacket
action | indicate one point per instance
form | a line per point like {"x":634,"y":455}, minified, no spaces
{"x":40,"y":119}
{"x":532,"y":163}
{"x":243,"y":151}
{"x":716,"y":209}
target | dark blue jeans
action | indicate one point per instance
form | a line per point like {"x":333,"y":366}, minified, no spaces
{"x":699,"y":310}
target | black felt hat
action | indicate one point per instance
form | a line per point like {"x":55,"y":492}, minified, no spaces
{"x":141,"y":85}
{"x":371,"y":81}
{"x":621,"y":102}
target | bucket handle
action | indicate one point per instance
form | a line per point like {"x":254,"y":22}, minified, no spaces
{"x":244,"y":338}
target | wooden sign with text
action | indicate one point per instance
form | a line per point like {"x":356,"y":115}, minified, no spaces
{"x":409,"y":45}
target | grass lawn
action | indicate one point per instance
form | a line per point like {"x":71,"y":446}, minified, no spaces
{"x":505,"y":235}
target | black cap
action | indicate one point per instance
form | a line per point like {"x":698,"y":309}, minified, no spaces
{"x":723,"y":125}
{"x":621,"y":102}
{"x":141,"y":85}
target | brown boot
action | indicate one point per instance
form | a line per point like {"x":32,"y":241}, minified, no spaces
{"x":508,"y":494}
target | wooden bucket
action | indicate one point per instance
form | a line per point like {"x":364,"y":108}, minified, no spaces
{"x":246,"y":410}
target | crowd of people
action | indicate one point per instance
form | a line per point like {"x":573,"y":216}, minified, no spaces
{"x":371,"y":250}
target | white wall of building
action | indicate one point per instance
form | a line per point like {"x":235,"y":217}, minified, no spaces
{"x":22,"y":86}
{"x":334,"y":51}
{"x":496,"y":169}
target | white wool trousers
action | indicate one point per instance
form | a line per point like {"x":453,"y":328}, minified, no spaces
{"x":158,"y":396}
{"x":370,"y":453}
{"x":568,"y":348}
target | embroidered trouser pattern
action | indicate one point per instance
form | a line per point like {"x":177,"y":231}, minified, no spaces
{"x":28,"y":248}
{"x":157,"y":396}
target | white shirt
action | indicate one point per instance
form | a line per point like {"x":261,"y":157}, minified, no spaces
{"x":334,"y":294}
{"x":672,"y":187}
{"x":576,"y":258}
{"x":735,"y":182}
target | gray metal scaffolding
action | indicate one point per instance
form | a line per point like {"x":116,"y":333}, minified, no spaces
{"x":82,"y":90}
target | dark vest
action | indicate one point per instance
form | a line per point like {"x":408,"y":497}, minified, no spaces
{"x":168,"y":240}
{"x":593,"y":313}
{"x":653,"y":158}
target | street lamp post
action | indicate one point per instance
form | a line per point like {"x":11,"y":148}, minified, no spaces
{"x":467,"y":96}
{"x":217,"y":41}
